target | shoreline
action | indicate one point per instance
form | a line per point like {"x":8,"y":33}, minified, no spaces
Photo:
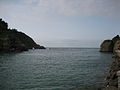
{"x":111,"y":82}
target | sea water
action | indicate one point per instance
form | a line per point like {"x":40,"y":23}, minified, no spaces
{"x":54,"y":69}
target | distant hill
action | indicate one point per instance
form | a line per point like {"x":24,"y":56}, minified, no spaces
{"x":13,"y":40}
{"x":110,"y":45}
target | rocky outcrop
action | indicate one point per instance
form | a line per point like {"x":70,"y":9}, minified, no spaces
{"x":110,"y":45}
{"x":107,"y":46}
{"x":112,"y":79}
{"x":39,"y":47}
{"x":116,"y":45}
{"x":13,"y":40}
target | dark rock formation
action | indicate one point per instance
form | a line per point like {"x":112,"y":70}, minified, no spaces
{"x":13,"y":40}
{"x":111,"y":82}
{"x":112,"y":78}
{"x":110,"y":45}
{"x":39,"y":47}
{"x":116,"y":45}
{"x":107,"y":46}
{"x":116,"y":38}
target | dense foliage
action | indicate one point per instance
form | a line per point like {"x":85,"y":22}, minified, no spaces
{"x":12,"y":40}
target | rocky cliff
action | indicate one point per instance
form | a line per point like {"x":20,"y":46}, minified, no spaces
{"x":110,"y":45}
{"x":112,"y":79}
{"x":13,"y":40}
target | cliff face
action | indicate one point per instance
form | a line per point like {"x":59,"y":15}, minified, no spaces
{"x":116,"y":45}
{"x":112,"y":79}
{"x":107,"y":46}
{"x":12,"y":40}
{"x":110,"y":45}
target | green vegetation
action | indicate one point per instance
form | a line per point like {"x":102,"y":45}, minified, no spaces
{"x":13,"y":40}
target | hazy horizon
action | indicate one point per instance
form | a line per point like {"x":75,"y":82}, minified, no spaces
{"x":64,"y":23}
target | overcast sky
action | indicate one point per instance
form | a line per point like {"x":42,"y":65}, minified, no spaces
{"x":64,"y":23}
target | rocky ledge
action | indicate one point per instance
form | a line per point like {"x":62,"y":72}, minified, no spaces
{"x":110,"y":45}
{"x":111,"y":82}
{"x":112,"y":78}
{"x":12,"y":40}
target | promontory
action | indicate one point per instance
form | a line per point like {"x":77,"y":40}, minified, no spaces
{"x":110,"y":45}
{"x":12,"y":40}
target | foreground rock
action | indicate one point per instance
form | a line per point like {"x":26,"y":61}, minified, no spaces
{"x":12,"y":40}
{"x":110,"y":45}
{"x":112,"y":78}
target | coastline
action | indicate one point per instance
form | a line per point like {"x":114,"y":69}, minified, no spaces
{"x":111,"y":82}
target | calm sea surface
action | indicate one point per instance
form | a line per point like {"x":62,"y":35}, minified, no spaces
{"x":54,"y":69}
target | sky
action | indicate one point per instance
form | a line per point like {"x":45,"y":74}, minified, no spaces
{"x":64,"y":23}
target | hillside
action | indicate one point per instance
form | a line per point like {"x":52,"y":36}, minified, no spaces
{"x":13,"y":40}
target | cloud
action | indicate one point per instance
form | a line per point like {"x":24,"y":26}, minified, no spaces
{"x":30,"y":1}
{"x":70,"y":7}
{"x":79,"y":7}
